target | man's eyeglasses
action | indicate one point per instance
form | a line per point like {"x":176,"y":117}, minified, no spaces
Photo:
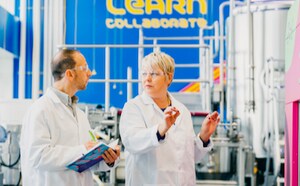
{"x":151,"y":74}
{"x":84,"y":68}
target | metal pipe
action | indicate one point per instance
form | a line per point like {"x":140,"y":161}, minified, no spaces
{"x":211,"y":63}
{"x":276,"y":139}
{"x":215,"y":38}
{"x":50,"y":40}
{"x":249,"y":75}
{"x":274,"y":1}
{"x":64,"y":4}
{"x":209,"y":86}
{"x":36,"y":49}
{"x":57,"y":24}
{"x":228,"y":125}
{"x":54,"y":15}
{"x":21,"y":91}
{"x":60,"y":25}
{"x":241,"y":166}
{"x":204,"y":63}
{"x":250,"y":58}
{"x":221,"y":56}
{"x":230,"y":62}
{"x":266,"y":5}
{"x":202,"y":69}
{"x":140,"y":57}
{"x":217,"y":35}
{"x":51,"y":29}
{"x":138,"y":81}
{"x":46,"y":71}
{"x":217,"y":182}
{"x":263,"y":84}
{"x":249,"y":79}
{"x":241,"y":171}
{"x":220,"y":139}
{"x":190,"y":80}
{"x":107,"y":78}
{"x":227,"y":144}
{"x":156,"y":47}
{"x":114,"y":80}
{"x":129,"y":84}
{"x":173,"y":38}
{"x":133,"y":46}
{"x":273,"y":123}
{"x":268,"y":124}
{"x":49,"y":45}
{"x":187,"y":65}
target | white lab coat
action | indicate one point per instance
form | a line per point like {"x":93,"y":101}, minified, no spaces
{"x":50,"y":139}
{"x":168,"y":162}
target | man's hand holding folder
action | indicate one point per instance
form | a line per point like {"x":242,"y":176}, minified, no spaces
{"x":97,"y":151}
{"x":110,"y":155}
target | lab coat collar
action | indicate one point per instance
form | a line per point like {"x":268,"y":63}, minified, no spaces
{"x":50,"y":92}
{"x":65,"y":98}
{"x":53,"y":96}
{"x":148,"y":100}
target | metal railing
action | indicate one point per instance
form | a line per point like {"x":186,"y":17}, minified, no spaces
{"x":129,"y":80}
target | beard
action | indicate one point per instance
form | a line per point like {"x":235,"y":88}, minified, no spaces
{"x":82,"y":86}
{"x":80,"y":83}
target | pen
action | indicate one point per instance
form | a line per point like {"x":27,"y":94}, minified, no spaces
{"x":92,"y":136}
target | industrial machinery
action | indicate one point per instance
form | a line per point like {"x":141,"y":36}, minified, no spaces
{"x":104,"y":125}
{"x":248,"y":146}
{"x":11,"y":116}
{"x":250,"y":135}
{"x":255,"y":83}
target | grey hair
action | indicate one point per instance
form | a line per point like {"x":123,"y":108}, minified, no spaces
{"x":161,"y":60}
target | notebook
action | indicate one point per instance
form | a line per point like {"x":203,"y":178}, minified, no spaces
{"x":91,"y":157}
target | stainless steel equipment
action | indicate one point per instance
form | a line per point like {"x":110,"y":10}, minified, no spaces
{"x":255,"y":88}
{"x":104,"y":125}
{"x":226,"y":163}
{"x":11,"y":116}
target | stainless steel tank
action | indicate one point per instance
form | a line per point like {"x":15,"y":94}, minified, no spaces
{"x":258,"y":43}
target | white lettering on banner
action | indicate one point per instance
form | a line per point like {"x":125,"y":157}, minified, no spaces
{"x":155,"y":23}
{"x":141,"y":7}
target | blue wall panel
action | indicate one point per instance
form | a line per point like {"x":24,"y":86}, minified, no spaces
{"x":86,"y":24}
{"x":3,"y":15}
{"x":9,"y":32}
{"x":29,"y":47}
{"x":10,"y":41}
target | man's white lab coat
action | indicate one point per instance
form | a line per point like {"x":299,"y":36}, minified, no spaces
{"x":168,"y":162}
{"x":50,"y":139}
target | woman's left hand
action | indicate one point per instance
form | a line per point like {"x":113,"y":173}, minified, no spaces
{"x":209,"y":126}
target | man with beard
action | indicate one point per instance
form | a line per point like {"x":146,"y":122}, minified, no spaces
{"x":55,"y":131}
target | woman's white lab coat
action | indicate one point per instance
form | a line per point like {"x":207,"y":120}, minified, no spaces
{"x":50,"y":139}
{"x":168,"y":162}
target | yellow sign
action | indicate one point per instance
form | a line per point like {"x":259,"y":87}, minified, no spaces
{"x":163,"y":7}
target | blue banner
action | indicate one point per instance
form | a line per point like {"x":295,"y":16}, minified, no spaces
{"x":118,"y":22}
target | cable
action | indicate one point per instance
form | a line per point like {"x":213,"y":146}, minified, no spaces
{"x":20,"y":178}
{"x":13,"y":164}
